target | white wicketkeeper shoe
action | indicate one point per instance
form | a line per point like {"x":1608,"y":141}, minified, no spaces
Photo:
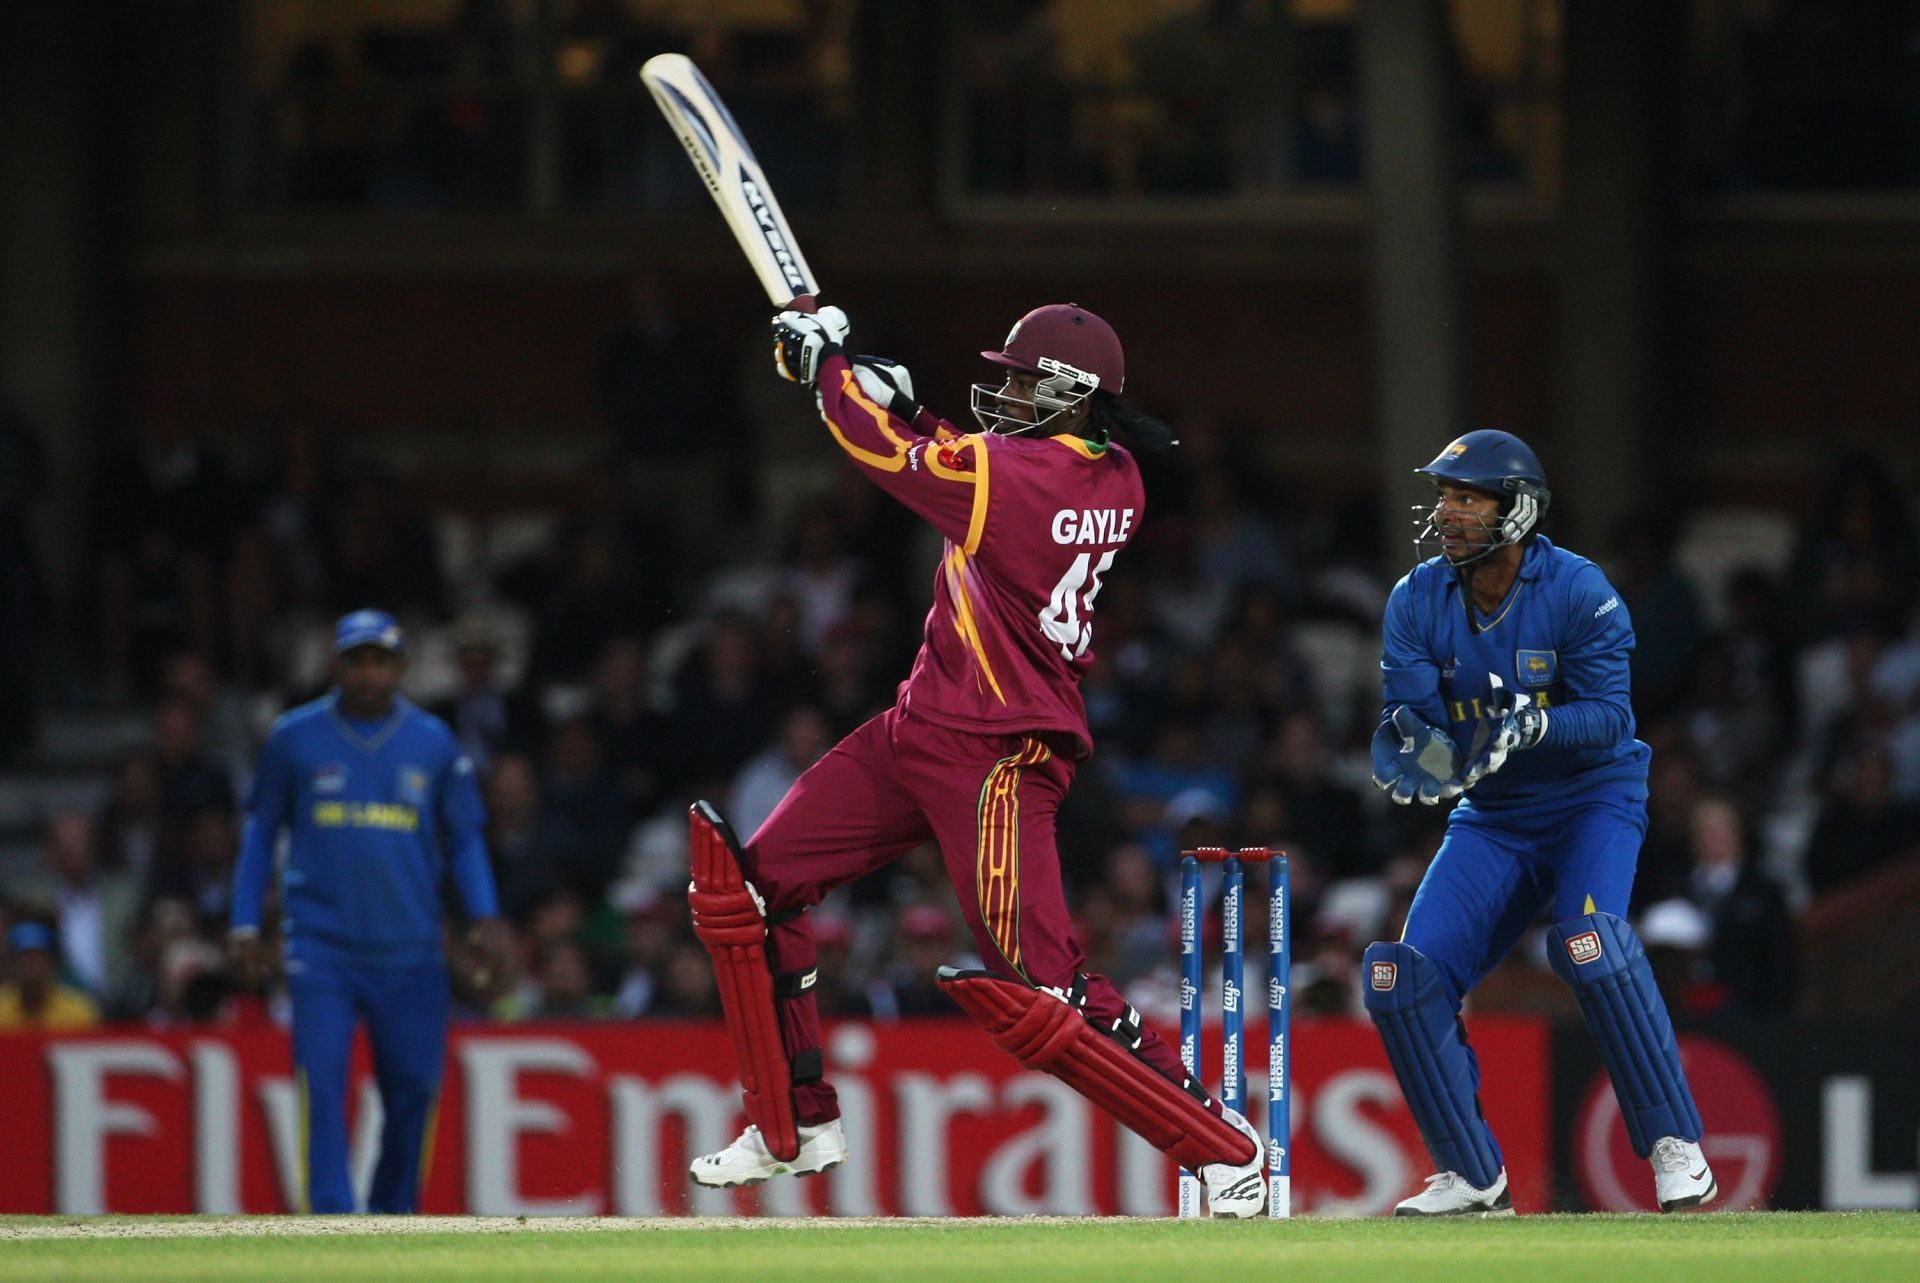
{"x":1239,"y":1190}
{"x":747,"y":1162}
{"x":1681,"y":1177}
{"x":1451,"y":1194}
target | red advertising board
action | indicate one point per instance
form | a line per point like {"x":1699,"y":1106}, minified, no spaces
{"x":601,"y":1119}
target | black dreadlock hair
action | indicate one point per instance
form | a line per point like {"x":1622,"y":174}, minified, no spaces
{"x":1139,"y":432}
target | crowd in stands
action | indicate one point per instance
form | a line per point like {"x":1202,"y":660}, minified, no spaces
{"x":609,"y":677}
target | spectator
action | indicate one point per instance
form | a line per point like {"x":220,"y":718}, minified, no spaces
{"x":1734,"y":729}
{"x":908,"y":987}
{"x":1673,"y":785}
{"x":647,"y":946}
{"x":1761,"y":650}
{"x":1750,"y":949}
{"x":189,"y":783}
{"x":32,"y":996}
{"x":687,"y":989}
{"x":1326,"y":815}
{"x":486,"y":717}
{"x":640,"y":753}
{"x":131,"y":820}
{"x":227,"y":740}
{"x":804,"y":739}
{"x":527,"y":856}
{"x":581,"y":808}
{"x":818,"y":573}
{"x":193,"y":987}
{"x":1139,"y":907}
{"x":1677,"y":935}
{"x":1665,"y":608}
{"x":723,"y":710}
{"x":840,"y":993}
{"x":847,"y":686}
{"x":1858,"y":558}
{"x":95,"y":910}
{"x":1177,"y":769}
{"x":203,"y":878}
{"x":1862,"y":825}
{"x":139,"y":994}
{"x":566,"y":983}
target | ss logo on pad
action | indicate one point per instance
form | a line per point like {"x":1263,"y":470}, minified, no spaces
{"x":1584,"y":948}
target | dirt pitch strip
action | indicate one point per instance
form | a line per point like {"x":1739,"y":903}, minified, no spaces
{"x":111,"y":1227}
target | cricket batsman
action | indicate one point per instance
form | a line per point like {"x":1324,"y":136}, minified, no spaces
{"x":975,"y":755}
{"x":1505,"y":684}
{"x":381,"y":811}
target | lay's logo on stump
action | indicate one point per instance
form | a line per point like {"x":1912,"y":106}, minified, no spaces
{"x":1584,"y":948}
{"x":1384,"y":975}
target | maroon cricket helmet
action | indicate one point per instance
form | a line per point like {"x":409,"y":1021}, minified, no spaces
{"x":1065,"y":338}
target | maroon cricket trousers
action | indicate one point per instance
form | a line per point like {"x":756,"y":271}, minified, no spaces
{"x":989,"y":801}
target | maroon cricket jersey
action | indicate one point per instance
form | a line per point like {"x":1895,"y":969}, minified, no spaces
{"x":1032,"y":525}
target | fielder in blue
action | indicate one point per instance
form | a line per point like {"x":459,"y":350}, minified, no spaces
{"x":381,"y":810}
{"x":1505,"y":685}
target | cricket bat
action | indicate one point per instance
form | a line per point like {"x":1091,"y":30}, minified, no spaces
{"x":726,"y":163}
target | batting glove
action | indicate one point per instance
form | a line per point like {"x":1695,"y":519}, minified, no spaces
{"x":802,"y":340}
{"x":888,"y":383}
{"x":1414,"y":760}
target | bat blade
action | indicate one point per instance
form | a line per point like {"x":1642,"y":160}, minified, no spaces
{"x":725,"y":162}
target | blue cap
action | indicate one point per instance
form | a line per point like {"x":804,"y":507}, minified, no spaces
{"x":23,"y":936}
{"x":367,"y":628}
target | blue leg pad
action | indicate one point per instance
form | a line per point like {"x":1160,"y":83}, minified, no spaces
{"x":1600,"y":956}
{"x":1414,"y":1006}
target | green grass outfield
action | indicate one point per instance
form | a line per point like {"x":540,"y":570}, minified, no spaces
{"x":1830,"y":1247}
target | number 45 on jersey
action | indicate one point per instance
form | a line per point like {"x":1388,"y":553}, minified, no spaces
{"x":1068,"y":618}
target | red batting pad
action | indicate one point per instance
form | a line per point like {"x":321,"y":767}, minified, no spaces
{"x":730,"y":924}
{"x":1042,"y":1032}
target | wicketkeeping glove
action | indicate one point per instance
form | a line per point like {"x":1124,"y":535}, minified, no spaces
{"x":1414,"y":760}
{"x":1514,"y":722}
{"x":802,"y":340}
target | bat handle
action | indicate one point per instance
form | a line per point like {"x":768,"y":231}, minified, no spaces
{"x":802,"y":303}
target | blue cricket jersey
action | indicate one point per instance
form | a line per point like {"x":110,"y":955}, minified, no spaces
{"x":378,"y":815}
{"x":1562,"y":636}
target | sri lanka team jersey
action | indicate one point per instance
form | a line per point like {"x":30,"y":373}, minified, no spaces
{"x":1032,"y":526}
{"x":377,"y":817}
{"x":1561,"y":636}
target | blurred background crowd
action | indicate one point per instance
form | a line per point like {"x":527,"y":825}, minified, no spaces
{"x":378,"y":335}
{"x":603,"y":678}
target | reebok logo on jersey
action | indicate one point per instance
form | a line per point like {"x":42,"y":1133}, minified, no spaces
{"x":1606,"y":606}
{"x":1584,"y":948}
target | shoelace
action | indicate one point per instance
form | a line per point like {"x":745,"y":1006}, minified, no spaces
{"x":1670,"y":1155}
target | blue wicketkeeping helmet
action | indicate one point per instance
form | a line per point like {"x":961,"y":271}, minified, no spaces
{"x":1500,"y":464}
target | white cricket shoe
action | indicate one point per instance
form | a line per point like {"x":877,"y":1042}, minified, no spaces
{"x":1237,"y":1190}
{"x":747,"y":1162}
{"x":1681,"y":1177}
{"x":1451,"y":1194}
